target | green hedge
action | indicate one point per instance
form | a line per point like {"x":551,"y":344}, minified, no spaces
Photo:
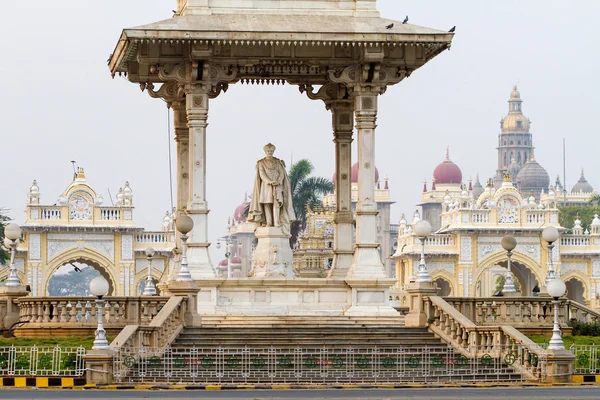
{"x":585,"y":328}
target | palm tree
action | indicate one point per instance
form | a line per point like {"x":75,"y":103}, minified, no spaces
{"x":595,"y":198}
{"x":305,"y":190}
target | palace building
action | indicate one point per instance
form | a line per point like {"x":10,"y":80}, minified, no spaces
{"x":80,"y":228}
{"x":464,"y":255}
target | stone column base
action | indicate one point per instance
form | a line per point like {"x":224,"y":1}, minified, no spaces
{"x":370,"y":297}
{"x":11,"y":293}
{"x":273,"y":256}
{"x":189,"y":290}
{"x":560,"y":366}
{"x":99,"y":367}
{"x":416,"y":317}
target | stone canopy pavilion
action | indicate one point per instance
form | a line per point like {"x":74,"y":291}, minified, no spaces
{"x":338,"y":51}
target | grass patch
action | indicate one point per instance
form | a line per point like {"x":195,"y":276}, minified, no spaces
{"x":75,"y":341}
{"x":569,"y":340}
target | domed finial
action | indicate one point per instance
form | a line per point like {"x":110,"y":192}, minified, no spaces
{"x":424,"y":185}
{"x":507,"y":177}
{"x":433,"y":184}
{"x":387,"y":183}
{"x":582,"y":175}
{"x":448,"y":153}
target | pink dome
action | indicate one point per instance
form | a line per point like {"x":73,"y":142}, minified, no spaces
{"x":447,"y":172}
{"x":354,"y":174}
{"x":236,"y":260}
{"x":223,"y":263}
{"x":238,"y":214}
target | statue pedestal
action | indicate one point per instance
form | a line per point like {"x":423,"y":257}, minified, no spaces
{"x":272,"y":257}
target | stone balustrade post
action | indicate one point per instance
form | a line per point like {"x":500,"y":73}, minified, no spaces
{"x":99,"y":367}
{"x":417,"y":292}
{"x":191,"y":317}
{"x":9,"y":295}
{"x":559,"y":367}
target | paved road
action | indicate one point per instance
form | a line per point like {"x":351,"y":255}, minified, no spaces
{"x":569,"y":393}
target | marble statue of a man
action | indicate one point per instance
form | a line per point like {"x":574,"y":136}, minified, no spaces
{"x":271,"y":204}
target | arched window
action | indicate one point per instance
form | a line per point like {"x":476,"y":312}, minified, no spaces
{"x":519,"y":158}
{"x":519,"y":124}
{"x":504,"y":159}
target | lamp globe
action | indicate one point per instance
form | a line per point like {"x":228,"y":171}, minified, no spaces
{"x":556,"y":288}
{"x":12,"y":231}
{"x":184,"y":224}
{"x":99,"y":286}
{"x":550,"y":234}
{"x":509,"y":243}
{"x":422,"y":228}
{"x":150,"y":252}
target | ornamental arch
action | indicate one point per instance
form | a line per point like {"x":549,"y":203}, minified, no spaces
{"x":521,"y":264}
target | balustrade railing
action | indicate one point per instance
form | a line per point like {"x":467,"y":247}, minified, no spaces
{"x":440,"y":240}
{"x":110,"y":214}
{"x":159,"y":333}
{"x":536,"y":217}
{"x":579,"y":312}
{"x":480,"y":217}
{"x":51,"y":213}
{"x":154,"y":237}
{"x":477,"y":341}
{"x":82,"y":312}
{"x":569,"y":240}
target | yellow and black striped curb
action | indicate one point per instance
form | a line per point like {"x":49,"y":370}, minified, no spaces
{"x":586,"y":378}
{"x":22,"y":381}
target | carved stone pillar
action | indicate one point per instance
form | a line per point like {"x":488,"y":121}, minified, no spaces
{"x":343,"y":249}
{"x":197,"y":98}
{"x":367,"y":260}
{"x":182,"y":137}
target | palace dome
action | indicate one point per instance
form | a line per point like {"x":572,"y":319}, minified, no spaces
{"x":236,"y":261}
{"x":447,"y":172}
{"x":515,"y":121}
{"x":582,"y":185}
{"x":223,"y":263}
{"x":238,"y":214}
{"x":354,"y":174}
{"x":533,"y":177}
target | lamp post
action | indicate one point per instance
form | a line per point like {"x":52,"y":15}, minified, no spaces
{"x":149,"y":289}
{"x":12,"y":232}
{"x":184,"y":225}
{"x":509,"y":243}
{"x":99,"y":288}
{"x":550,"y":235}
{"x":422,"y":229}
{"x":556,"y":289}
{"x":228,"y":244}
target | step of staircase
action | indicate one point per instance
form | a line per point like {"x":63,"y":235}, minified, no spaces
{"x":231,"y":321}
{"x":284,"y":336}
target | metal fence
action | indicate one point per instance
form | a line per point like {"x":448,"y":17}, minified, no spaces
{"x":321,"y":365}
{"x":587,"y":359}
{"x":41,"y":361}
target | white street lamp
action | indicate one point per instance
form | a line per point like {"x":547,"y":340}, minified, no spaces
{"x":550,"y":234}
{"x":149,"y":289}
{"x":556,"y":289}
{"x":422,"y":229}
{"x":99,"y":288}
{"x":12,"y":232}
{"x":509,"y":243}
{"x":184,"y":225}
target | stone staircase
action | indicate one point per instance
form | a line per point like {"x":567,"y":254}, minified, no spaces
{"x":307,"y":337}
{"x":315,"y":321}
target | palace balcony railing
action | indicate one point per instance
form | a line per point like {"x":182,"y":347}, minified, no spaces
{"x":157,"y":238}
{"x":575,"y":241}
{"x":72,"y":313}
{"x":100,"y":215}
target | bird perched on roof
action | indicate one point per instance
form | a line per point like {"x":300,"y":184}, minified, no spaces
{"x":405,"y":20}
{"x":390,"y":26}
{"x":452,"y":29}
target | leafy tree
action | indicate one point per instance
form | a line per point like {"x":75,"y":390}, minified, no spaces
{"x":73,"y":283}
{"x":306,"y":190}
{"x":595,"y":198}
{"x":4,"y":256}
{"x":568,"y":214}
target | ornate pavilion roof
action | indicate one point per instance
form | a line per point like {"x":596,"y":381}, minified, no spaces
{"x":265,"y":29}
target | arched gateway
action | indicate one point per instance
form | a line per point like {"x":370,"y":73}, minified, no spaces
{"x":79,"y":228}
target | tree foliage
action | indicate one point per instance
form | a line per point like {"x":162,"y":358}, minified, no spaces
{"x":72,"y":283}
{"x":4,"y":256}
{"x":501,"y":279}
{"x":568,"y":214}
{"x":306,"y":190}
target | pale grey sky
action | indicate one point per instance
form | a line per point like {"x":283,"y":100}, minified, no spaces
{"x":60,"y":104}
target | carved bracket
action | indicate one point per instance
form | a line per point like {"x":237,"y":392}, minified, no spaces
{"x":372,"y":77}
{"x":328,"y":93}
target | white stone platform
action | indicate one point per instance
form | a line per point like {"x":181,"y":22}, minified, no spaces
{"x":295,"y":297}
